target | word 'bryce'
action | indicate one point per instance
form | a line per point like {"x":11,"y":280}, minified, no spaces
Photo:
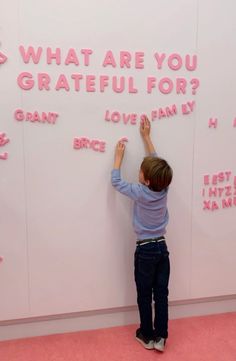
{"x":94,"y":144}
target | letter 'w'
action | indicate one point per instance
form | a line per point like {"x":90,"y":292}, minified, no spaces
{"x":30,"y":54}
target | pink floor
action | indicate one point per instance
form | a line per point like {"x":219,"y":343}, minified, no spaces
{"x":208,"y":338}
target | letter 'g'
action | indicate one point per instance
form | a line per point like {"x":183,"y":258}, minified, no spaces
{"x":19,"y":114}
{"x":25,"y":81}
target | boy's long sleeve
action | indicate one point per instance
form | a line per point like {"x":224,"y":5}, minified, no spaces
{"x":131,"y":190}
{"x":150,"y":214}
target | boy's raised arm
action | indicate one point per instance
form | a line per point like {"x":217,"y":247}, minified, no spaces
{"x":145,"y":129}
{"x":119,"y":154}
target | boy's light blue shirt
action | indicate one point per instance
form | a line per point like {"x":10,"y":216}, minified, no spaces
{"x":150,"y":214}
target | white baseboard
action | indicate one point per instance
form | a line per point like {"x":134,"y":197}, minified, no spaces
{"x":74,"y":322}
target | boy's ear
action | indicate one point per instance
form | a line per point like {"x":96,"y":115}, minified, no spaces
{"x":147,"y":182}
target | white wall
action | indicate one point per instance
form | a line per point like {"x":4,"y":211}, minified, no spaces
{"x":67,"y":239}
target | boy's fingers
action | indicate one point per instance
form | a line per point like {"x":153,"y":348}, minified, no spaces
{"x":120,"y":145}
{"x":147,"y":123}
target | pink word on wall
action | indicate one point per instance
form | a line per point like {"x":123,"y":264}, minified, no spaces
{"x":212,"y":123}
{"x":94,"y":144}
{"x":40,"y":117}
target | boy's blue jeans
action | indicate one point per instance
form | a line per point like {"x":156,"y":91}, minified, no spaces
{"x":152,"y":271}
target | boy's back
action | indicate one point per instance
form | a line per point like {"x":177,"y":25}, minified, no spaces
{"x":150,"y":214}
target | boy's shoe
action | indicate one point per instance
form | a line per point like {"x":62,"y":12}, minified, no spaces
{"x":159,"y":344}
{"x":146,"y":342}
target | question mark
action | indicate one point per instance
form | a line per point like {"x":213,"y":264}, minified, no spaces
{"x":195,"y":83}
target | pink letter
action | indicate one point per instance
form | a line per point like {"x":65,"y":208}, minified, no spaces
{"x":206,"y":204}
{"x":109,"y":59}
{"x":103,"y":82}
{"x":107,"y":116}
{"x":159,"y":59}
{"x":154,"y":114}
{"x":214,"y":179}
{"x":192,"y":66}
{"x":102,"y":146}
{"x":139,"y":60}
{"x":176,"y":57}
{"x":77,"y":78}
{"x":214,"y":206}
{"x":162,"y":113}
{"x":71,"y":57}
{"x":131,"y":85}
{"x":212,"y":123}
{"x":43,"y":81}
{"x":125,"y":58}
{"x":36,"y":117}
{"x":115,"y":117}
{"x":227,"y":203}
{"x":45,"y":117}
{"x":115,"y":87}
{"x":181,"y":84}
{"x":228,"y":174}
{"x":133,"y":119}
{"x":212,"y":192}
{"x":151,"y":82}
{"x":29,"y":116}
{"x":169,"y":82}
{"x":19,"y":114}
{"x":191,"y":105}
{"x":90,"y":83}
{"x":221,"y":177}
{"x":228,"y":190}
{"x":30,"y":54}
{"x":171,"y":111}
{"x":93,"y":145}
{"x":86,"y":53}
{"x":52,"y":117}
{"x":3,"y":139}
{"x":126,"y":118}
{"x":27,"y":84}
{"x":56,"y":55}
{"x":62,"y":83}
{"x":124,"y":139}
{"x":76,"y":143}
{"x":84,"y":142}
{"x":206,"y":179}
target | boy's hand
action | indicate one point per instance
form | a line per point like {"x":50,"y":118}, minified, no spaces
{"x":145,"y":127}
{"x":119,"y":154}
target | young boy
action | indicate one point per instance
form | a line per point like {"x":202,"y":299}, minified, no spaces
{"x":150,"y":217}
